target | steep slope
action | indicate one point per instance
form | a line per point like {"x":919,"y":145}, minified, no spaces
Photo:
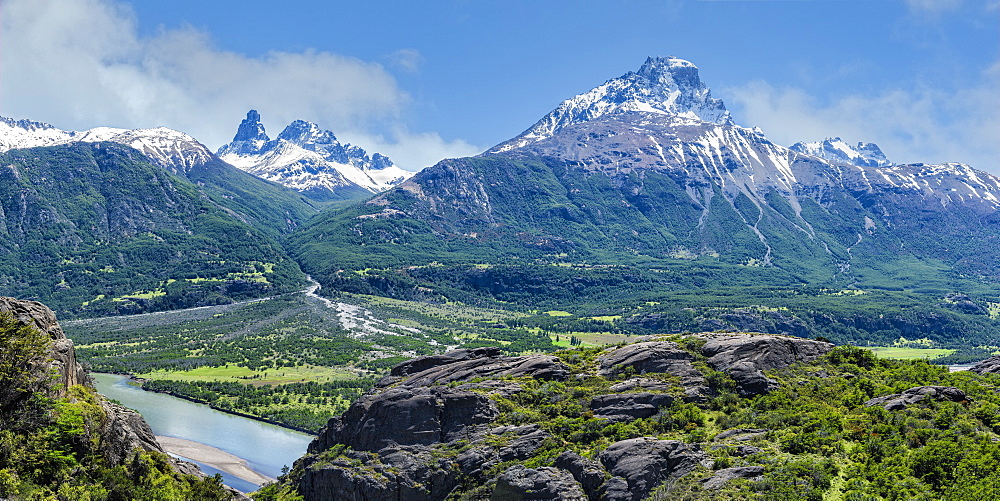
{"x":268,"y":206}
{"x":310,"y":160}
{"x":623,"y":193}
{"x":63,"y":440}
{"x":95,"y":228}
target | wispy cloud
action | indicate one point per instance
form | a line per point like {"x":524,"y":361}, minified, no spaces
{"x":408,"y":60}
{"x":81,"y":63}
{"x":932,"y":8}
{"x":910,"y":125}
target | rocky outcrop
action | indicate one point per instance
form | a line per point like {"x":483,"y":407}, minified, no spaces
{"x":989,"y":366}
{"x":664,"y":357}
{"x":745,"y":356}
{"x":430,"y":428}
{"x":726,"y":474}
{"x":519,"y":483}
{"x":407,"y":416}
{"x":764,"y":351}
{"x":899,"y":401}
{"x":629,"y":406}
{"x":645,"y":463}
{"x":403,"y":473}
{"x":589,"y":474}
{"x":124,"y":431}
{"x":405,"y":430}
{"x":463,"y":365}
{"x":63,"y":356}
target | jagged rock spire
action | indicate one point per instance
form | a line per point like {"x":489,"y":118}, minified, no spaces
{"x":251,"y":129}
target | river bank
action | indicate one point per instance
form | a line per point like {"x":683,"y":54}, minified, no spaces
{"x":212,"y":456}
{"x":228,"y":443}
{"x":141,"y":382}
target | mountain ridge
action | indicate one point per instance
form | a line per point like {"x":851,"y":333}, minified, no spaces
{"x":310,"y":160}
{"x":599,"y":203}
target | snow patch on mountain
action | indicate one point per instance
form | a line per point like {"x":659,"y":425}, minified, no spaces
{"x":837,"y":151}
{"x":309,"y":159}
{"x":663,"y":85}
{"x":173,"y":150}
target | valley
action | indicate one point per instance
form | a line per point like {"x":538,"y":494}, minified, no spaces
{"x":634,"y":274}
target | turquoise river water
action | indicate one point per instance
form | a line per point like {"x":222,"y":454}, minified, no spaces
{"x":265,"y":447}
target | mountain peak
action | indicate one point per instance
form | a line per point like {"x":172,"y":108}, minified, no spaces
{"x":836,"y":150}
{"x":311,"y":160}
{"x":251,"y":129}
{"x":303,"y":132}
{"x":663,"y":85}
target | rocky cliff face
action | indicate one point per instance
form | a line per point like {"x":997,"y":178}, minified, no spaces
{"x":63,"y":357}
{"x":476,"y":423}
{"x":123,"y":430}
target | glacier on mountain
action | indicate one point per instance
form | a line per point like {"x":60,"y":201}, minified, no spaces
{"x":310,"y":160}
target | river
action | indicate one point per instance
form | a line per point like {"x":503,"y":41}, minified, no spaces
{"x":265,"y":447}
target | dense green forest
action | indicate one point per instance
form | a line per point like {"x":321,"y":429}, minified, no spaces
{"x":525,"y":233}
{"x":96,"y":229}
{"x":303,"y":406}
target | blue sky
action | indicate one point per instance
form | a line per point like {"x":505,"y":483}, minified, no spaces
{"x":425,"y":80}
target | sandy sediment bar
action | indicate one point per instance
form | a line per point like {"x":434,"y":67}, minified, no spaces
{"x":216,"y":458}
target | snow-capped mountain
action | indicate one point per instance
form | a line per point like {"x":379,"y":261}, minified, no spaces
{"x":837,"y":151}
{"x":310,"y":160}
{"x":673,"y":177}
{"x":173,"y":150}
{"x":663,"y":85}
{"x":663,"y":118}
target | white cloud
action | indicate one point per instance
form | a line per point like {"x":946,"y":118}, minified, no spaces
{"x":421,"y":149}
{"x":910,"y":125}
{"x":81,"y":63}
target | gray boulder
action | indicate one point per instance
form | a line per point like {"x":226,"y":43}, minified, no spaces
{"x":645,"y":463}
{"x":989,"y":366}
{"x":615,"y":489}
{"x":629,"y":406}
{"x":464,"y":365}
{"x":524,"y":441}
{"x":407,"y":416}
{"x":750,"y":380}
{"x":725,"y":475}
{"x":406,"y":473}
{"x":123,"y":431}
{"x":744,"y":357}
{"x":520,"y":483}
{"x":899,"y":401}
{"x":766,"y":352}
{"x":664,"y":357}
{"x":588,"y":473}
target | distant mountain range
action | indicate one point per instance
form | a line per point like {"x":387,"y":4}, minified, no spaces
{"x":310,"y":160}
{"x":626,"y":194}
